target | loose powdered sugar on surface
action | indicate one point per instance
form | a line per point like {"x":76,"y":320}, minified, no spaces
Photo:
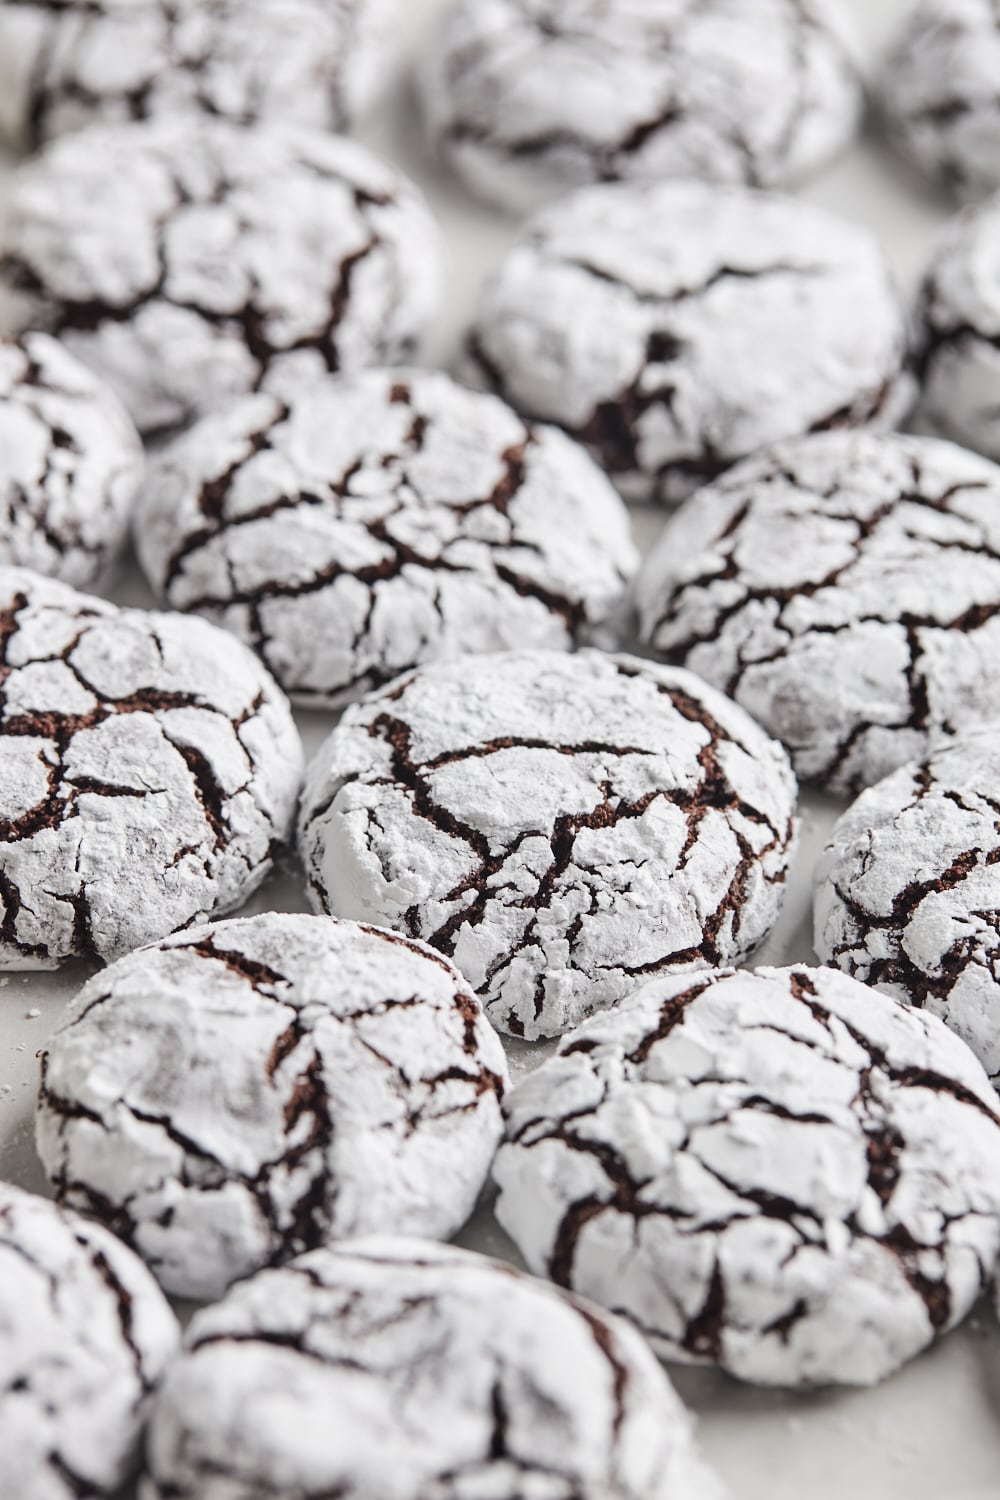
{"x":255,"y":1088}
{"x":782,"y":1172}
{"x":392,"y":515}
{"x":561,"y":826}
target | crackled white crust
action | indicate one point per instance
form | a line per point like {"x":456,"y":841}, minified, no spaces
{"x":676,"y":327}
{"x":149,"y":769}
{"x":755,"y":91}
{"x":407,"y":1370}
{"x":255,"y":1088}
{"x":845,"y":590}
{"x":65,"y":64}
{"x":557,"y":825}
{"x":86,"y":1334}
{"x":938,"y":93}
{"x":391,"y":516}
{"x":782,"y":1172}
{"x":908,"y":890}
{"x":70,"y":463}
{"x":189,"y":261}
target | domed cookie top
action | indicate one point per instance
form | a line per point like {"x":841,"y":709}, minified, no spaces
{"x":67,"y":63}
{"x":449,"y":1375}
{"x":676,"y":327}
{"x":558,"y":825}
{"x":254,"y":1088}
{"x":70,"y":463}
{"x":845,"y":589}
{"x":148,"y":769}
{"x":188,"y":261}
{"x":908,"y":889}
{"x":938,"y":93}
{"x":380,"y":520}
{"x":86,"y":1335}
{"x":781,"y":1172}
{"x":528,"y":98}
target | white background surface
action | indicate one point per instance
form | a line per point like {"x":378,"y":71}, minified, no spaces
{"x":933,"y":1432}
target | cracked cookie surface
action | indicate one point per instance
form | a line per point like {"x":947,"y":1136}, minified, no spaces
{"x":392,"y":516}
{"x":450,"y":1376}
{"x":782,"y":1172}
{"x":676,"y":327}
{"x":190,"y":261}
{"x":255,"y":1088}
{"x":938,"y":93}
{"x":908,"y":890}
{"x":70,"y":463}
{"x":957,"y":332}
{"x":557,"y":825}
{"x":149,"y":769}
{"x":66,"y":64}
{"x":845,"y":590}
{"x":86,"y":1335}
{"x":755,"y":91}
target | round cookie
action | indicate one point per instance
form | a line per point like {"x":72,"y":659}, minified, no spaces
{"x":938,"y":93}
{"x":754,"y":91}
{"x":189,"y":261}
{"x":255,"y":1088}
{"x":957,"y":332}
{"x":908,"y":890}
{"x":86,"y":1334}
{"x":66,"y":65}
{"x":782,"y":1172}
{"x":675,"y":327}
{"x":149,"y":769}
{"x":558,"y":825}
{"x":449,"y":1375}
{"x":845,"y":590}
{"x":70,"y":463}
{"x":393,"y":517}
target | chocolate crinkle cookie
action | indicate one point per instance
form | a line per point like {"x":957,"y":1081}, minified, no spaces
{"x":149,"y":769}
{"x":783,"y":1173}
{"x":190,"y":261}
{"x":527,"y":98}
{"x":957,"y":332}
{"x":86,"y":1334}
{"x":558,"y":825}
{"x":66,"y":63}
{"x":251,"y":1089}
{"x":396,"y":1368}
{"x":938,"y":93}
{"x":71,"y":463}
{"x":676,"y":327}
{"x":380,"y":520}
{"x":845,"y":590}
{"x":908,"y":889}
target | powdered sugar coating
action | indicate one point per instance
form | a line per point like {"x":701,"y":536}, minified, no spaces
{"x":938,"y":93}
{"x":845,"y":589}
{"x":908,"y":894}
{"x":67,"y":64}
{"x":70,"y":463}
{"x":86,"y":1334}
{"x":781,"y":1172}
{"x":958,"y":332}
{"x":148,"y":770}
{"x":255,"y":1088}
{"x":755,"y":91}
{"x":558,"y":825}
{"x":392,"y":516}
{"x":449,"y":1375}
{"x":675,"y":327}
{"x":189,"y":261}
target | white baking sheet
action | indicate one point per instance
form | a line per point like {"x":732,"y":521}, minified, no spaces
{"x":932,"y":1433}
